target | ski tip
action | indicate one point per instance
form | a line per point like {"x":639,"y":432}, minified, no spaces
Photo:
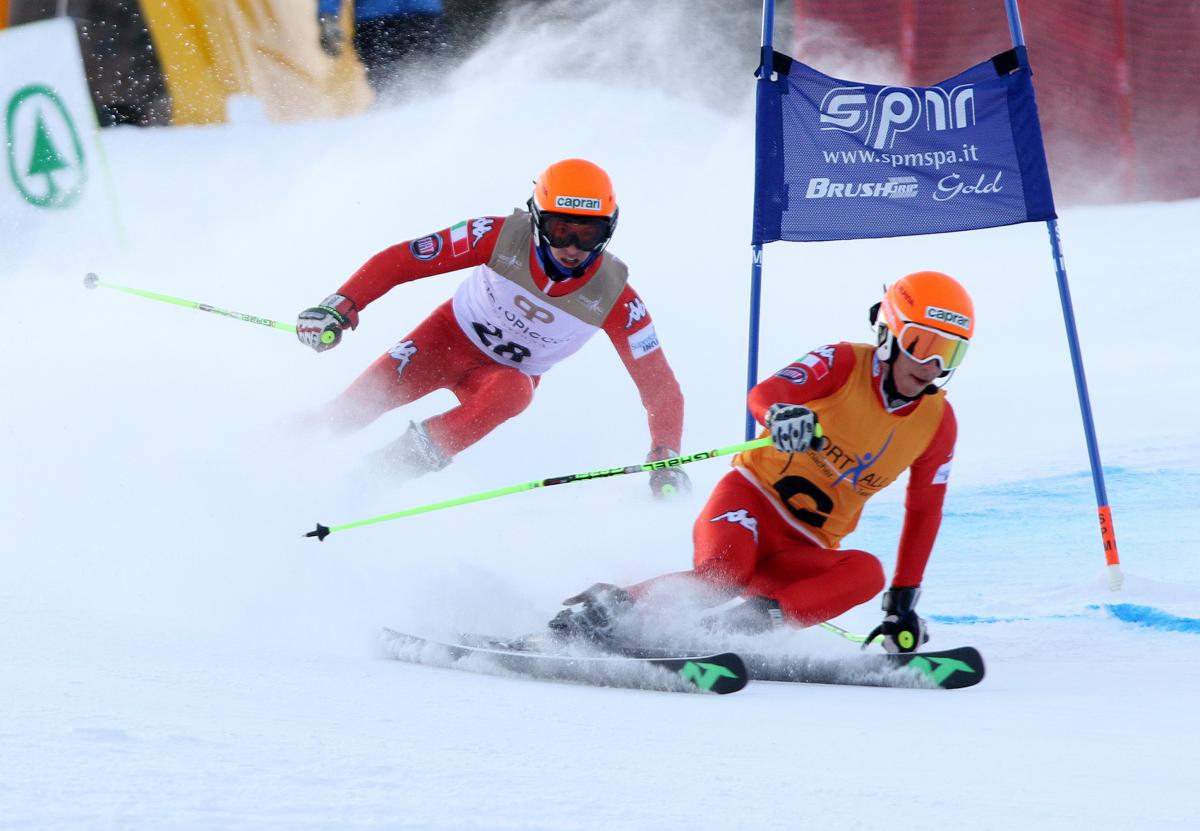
{"x":721,"y":674}
{"x":320,"y":532}
{"x":950,"y":669}
{"x":738,"y":667}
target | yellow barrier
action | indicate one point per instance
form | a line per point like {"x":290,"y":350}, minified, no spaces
{"x":212,"y":49}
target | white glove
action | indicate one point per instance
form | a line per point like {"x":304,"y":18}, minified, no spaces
{"x":793,"y":428}
{"x":320,"y":327}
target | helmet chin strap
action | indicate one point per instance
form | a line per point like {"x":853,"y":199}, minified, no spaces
{"x":889,"y":383}
{"x":889,"y":388}
{"x":886,"y":343}
{"x":555,"y":270}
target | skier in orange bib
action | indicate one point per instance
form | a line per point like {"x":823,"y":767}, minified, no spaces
{"x":772,"y":529}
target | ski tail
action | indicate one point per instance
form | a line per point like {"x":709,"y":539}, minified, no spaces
{"x":720,"y":673}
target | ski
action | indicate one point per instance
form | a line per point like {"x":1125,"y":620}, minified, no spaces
{"x":721,"y":673}
{"x":950,"y":669}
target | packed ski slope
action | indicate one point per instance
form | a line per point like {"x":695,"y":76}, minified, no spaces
{"x":176,"y":655}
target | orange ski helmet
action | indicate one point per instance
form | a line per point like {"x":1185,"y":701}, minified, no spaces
{"x":927,"y":315}
{"x":573,"y":203}
{"x":575,"y":186}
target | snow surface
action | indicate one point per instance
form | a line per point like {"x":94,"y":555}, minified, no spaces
{"x":174,"y":654}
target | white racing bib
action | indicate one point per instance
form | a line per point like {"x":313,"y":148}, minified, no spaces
{"x":514,"y":328}
{"x":503,"y":312}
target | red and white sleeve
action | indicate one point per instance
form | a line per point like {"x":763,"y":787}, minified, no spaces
{"x":632,"y":332}
{"x":816,"y":375}
{"x":927,"y":480}
{"x":464,"y":245}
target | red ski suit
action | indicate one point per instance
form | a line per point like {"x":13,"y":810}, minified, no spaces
{"x":773,"y":526}
{"x":506,"y":325}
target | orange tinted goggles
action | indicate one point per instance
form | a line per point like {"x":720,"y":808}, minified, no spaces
{"x":924,"y":344}
{"x":584,"y":232}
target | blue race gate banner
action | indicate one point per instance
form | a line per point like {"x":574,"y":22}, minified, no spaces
{"x":842,"y":160}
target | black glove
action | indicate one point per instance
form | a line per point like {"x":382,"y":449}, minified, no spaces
{"x":330,"y":27}
{"x":591,"y":614}
{"x":321,"y":326}
{"x":794,"y":428}
{"x":901,"y":629}
{"x":667,"y":481}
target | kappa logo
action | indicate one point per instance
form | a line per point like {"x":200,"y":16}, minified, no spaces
{"x":402,"y":353}
{"x":818,"y":362}
{"x":45,"y":154}
{"x":740,"y":517}
{"x":479,"y":229}
{"x":889,"y":111}
{"x":637,"y":311}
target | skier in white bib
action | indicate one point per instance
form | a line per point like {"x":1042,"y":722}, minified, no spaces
{"x":541,"y":285}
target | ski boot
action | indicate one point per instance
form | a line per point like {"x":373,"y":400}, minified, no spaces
{"x":591,"y":615}
{"x":413,"y":454}
{"x":745,"y":616}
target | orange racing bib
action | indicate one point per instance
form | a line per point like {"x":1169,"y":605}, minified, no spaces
{"x":822,"y":493}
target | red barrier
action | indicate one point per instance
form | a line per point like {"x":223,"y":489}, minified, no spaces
{"x":1116,"y":80}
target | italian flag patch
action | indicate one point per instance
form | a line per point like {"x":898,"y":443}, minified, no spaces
{"x":459,"y":244}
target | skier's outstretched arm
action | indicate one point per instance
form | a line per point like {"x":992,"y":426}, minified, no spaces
{"x":461,"y":246}
{"x":815,"y":375}
{"x":902,"y":629}
{"x":631,"y":330}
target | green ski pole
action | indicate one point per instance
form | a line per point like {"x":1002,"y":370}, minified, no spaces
{"x":92,"y":281}
{"x":323,"y":531}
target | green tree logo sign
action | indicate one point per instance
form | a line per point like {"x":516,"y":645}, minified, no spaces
{"x":45,"y":154}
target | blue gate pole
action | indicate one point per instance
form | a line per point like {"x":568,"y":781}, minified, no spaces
{"x":1107,"y":535}
{"x":766,"y":61}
